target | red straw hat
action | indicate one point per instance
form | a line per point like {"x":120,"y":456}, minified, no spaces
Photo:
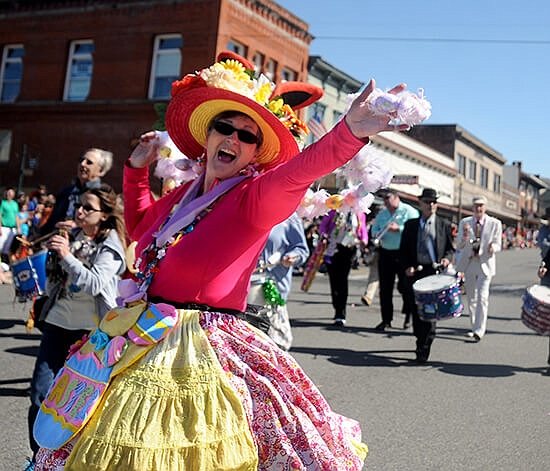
{"x":228,"y":86}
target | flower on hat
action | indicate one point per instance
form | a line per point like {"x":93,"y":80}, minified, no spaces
{"x":186,"y":83}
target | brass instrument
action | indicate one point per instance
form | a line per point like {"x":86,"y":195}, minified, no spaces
{"x":378,"y":237}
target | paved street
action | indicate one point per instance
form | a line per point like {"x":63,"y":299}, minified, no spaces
{"x":475,"y":406}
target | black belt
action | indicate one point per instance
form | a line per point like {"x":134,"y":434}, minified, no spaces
{"x":255,"y":315}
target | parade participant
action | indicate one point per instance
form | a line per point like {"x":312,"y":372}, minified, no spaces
{"x":544,"y":275}
{"x":426,"y":241}
{"x":285,"y":248}
{"x":92,"y":165}
{"x":216,"y":393}
{"x":8,"y":220}
{"x":82,"y":286}
{"x":372,"y":262}
{"x":543,"y":238}
{"x":342,"y":234}
{"x":386,"y":230}
{"x":479,"y":238}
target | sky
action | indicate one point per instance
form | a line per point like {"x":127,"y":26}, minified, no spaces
{"x":483,"y":64}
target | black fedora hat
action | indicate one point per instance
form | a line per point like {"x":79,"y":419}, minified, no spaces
{"x":428,"y":194}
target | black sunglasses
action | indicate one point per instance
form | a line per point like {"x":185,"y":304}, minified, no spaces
{"x":227,"y":129}
{"x":85,"y":207}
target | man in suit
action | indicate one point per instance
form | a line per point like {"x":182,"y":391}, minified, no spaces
{"x":479,"y":237}
{"x":426,"y":242}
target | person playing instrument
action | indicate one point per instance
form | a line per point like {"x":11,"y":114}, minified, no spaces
{"x":217,"y":393}
{"x":344,"y":232}
{"x":479,"y":238}
{"x":543,"y":241}
{"x":387,"y":228}
{"x":426,"y":244}
{"x":372,"y":262}
{"x":285,"y":248}
{"x":92,"y":166}
{"x":83,"y":285}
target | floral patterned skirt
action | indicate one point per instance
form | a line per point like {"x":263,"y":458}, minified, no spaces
{"x":215,"y":394}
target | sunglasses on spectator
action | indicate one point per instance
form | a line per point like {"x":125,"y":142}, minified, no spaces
{"x":86,"y":207}
{"x":227,"y":129}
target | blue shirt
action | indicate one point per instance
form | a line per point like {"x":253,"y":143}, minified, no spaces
{"x":402,"y":214}
{"x":286,"y":238}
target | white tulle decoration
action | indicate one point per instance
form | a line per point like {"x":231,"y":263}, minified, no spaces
{"x":368,"y":167}
{"x":405,"y":107}
{"x":172,"y":165}
{"x":313,"y":204}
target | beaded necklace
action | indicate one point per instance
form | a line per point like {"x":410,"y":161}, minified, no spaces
{"x":175,"y":227}
{"x":152,"y":255}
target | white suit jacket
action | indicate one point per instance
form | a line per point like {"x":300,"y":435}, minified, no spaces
{"x":492,"y":232}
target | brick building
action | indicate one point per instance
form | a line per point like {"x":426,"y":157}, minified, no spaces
{"x":80,"y":74}
{"x":479,"y":166}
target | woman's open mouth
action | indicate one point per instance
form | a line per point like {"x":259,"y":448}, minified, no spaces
{"x":226,"y":155}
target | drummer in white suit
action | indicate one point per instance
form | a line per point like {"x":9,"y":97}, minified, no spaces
{"x":479,"y":237}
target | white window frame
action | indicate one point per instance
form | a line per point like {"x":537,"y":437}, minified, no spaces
{"x":5,"y":61}
{"x":484,"y":177}
{"x":270,"y":69}
{"x":285,"y":71}
{"x":258,"y":62}
{"x":461,"y":165}
{"x":236,"y":46}
{"x":472,"y":169}
{"x":496,"y":183}
{"x":72,"y":55}
{"x":158,"y":52}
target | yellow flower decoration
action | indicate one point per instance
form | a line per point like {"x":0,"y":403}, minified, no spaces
{"x":237,"y":68}
{"x":276,"y":106}
{"x":334,"y":201}
{"x":263,"y":93}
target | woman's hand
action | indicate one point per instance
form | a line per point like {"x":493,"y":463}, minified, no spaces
{"x":146,"y":151}
{"x":60,"y":243}
{"x":362,"y":122}
{"x":542,"y":272}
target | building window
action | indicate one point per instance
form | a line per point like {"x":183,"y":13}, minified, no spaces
{"x":472,"y":169}
{"x":5,"y":145}
{"x":461,"y":165}
{"x":237,"y":47}
{"x":11,"y":72}
{"x":270,"y":67}
{"x":484,"y":177}
{"x":287,"y":75}
{"x":496,"y":183}
{"x":258,"y":61}
{"x":166,"y":65}
{"x":79,"y":71}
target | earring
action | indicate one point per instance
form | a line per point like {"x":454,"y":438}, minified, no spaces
{"x":202,"y":159}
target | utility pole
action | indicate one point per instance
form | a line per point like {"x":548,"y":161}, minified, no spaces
{"x":22,"y":169}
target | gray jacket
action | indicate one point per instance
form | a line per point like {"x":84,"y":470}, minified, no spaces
{"x":101,"y":280}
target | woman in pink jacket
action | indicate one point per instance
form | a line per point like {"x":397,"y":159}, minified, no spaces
{"x":216,"y":393}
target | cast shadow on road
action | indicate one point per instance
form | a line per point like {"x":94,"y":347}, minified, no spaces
{"x":15,"y":392}
{"x":394,"y":358}
{"x":342,"y":356}
{"x":31,"y":351}
{"x":9,"y":323}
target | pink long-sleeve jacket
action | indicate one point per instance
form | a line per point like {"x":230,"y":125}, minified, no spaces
{"x":212,"y":264}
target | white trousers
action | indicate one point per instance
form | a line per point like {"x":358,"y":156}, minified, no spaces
{"x":477,"y":292}
{"x":6,"y":238}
